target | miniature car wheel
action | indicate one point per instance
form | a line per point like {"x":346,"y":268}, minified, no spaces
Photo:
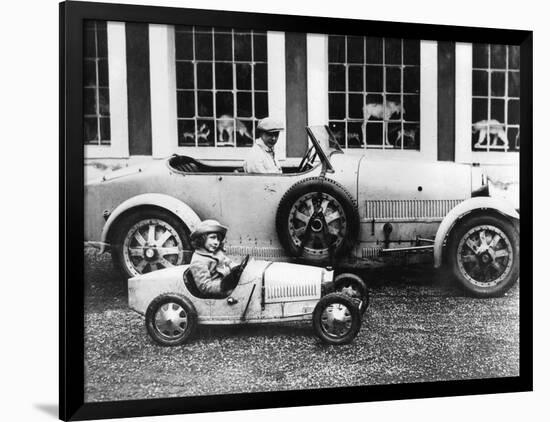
{"x":483,"y":253}
{"x":336,"y":319}
{"x":317,"y":220}
{"x":170,"y":319}
{"x":148,"y":240}
{"x":353,"y":286}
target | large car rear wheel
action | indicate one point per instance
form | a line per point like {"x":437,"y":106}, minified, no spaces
{"x":148,"y":240}
{"x":336,"y":318}
{"x":317,"y":220}
{"x":483,"y":254}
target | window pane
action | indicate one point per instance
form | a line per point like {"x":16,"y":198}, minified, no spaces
{"x":336,"y":77}
{"x":497,"y":84}
{"x":513,"y":112}
{"x":411,"y":108}
{"x":222,"y":43}
{"x":374,"y":79}
{"x":244,"y":104}
{"x":90,"y":101}
{"x":186,"y":133}
{"x":260,"y":76}
{"x":355,"y":135}
{"x":204,"y":76}
{"x":374,"y":132}
{"x":260,"y":105}
{"x":205,"y":134}
{"x":480,"y":110}
{"x":411,"y":52}
{"x":89,"y":73}
{"x":205,"y":105}
{"x":355,"y":50}
{"x":513,"y":57}
{"x":338,"y":129}
{"x":203,"y":46}
{"x":226,"y":131}
{"x":374,"y":50}
{"x":184,"y":46}
{"x":185,"y":78}
{"x":102,"y":43}
{"x":90,"y":130}
{"x":103,"y":77}
{"x":393,"y":51}
{"x":104,"y":101}
{"x":186,"y":103}
{"x":393,"y":108}
{"x":480,"y":83}
{"x":411,"y":80}
{"x":105,"y":130}
{"x":480,"y":56}
{"x":355,"y":78}
{"x":355,"y":106}
{"x":393,"y":79}
{"x":411,"y":136}
{"x":244,"y":76}
{"x":89,"y":44}
{"x":513,"y":84}
{"x":243,"y":47}
{"x":336,"y":49}
{"x":243,"y":132}
{"x":260,"y":48}
{"x":336,"y":106}
{"x":497,"y":110}
{"x":224,"y":104}
{"x":513,"y":138}
{"x":394,"y":135}
{"x":498,"y":56}
{"x":224,"y":76}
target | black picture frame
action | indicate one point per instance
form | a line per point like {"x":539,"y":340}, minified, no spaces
{"x":71,"y":395}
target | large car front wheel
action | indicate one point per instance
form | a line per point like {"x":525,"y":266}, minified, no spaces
{"x":149,"y":240}
{"x":484,"y":255}
{"x":336,"y":318}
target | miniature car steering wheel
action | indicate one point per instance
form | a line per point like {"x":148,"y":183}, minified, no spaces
{"x":232,"y":279}
{"x":308,"y":160}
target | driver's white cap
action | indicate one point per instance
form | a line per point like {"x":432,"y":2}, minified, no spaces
{"x":270,"y":124}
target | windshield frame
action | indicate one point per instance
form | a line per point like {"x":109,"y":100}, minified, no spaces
{"x":331,"y":148}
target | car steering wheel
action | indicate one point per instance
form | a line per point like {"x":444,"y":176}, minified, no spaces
{"x":231,"y":280}
{"x":307,"y":161}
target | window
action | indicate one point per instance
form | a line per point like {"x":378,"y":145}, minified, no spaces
{"x":97,"y":125}
{"x":221,"y":83}
{"x":495,"y":98}
{"x":374,"y":92}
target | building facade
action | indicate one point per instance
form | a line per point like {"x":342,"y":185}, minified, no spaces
{"x":155,"y":90}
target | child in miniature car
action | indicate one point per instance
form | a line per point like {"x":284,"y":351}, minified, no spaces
{"x":209,"y":264}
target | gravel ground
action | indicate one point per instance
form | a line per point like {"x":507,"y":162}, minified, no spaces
{"x":418,"y":328}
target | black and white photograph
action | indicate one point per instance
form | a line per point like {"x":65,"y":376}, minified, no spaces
{"x":284,"y":209}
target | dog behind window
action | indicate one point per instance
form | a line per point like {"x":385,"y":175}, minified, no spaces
{"x":226,"y":126}
{"x":486,"y":128}
{"x":383,"y":112}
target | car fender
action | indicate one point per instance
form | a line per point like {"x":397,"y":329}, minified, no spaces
{"x":460,"y":211}
{"x":180,"y":209}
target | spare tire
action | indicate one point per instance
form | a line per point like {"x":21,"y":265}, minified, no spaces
{"x":317,"y":220}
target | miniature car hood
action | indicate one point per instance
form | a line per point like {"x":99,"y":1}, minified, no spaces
{"x":284,"y":282}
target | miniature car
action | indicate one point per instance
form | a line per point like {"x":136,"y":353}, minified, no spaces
{"x":334,"y":208}
{"x":267,"y":292}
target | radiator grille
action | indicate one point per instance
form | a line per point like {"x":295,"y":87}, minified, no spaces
{"x":280,"y":292}
{"x":410,"y":209}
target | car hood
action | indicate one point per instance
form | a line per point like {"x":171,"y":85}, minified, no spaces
{"x":141,"y":168}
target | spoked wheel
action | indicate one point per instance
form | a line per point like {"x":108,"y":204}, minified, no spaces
{"x":170,"y":319}
{"x":151,"y":241}
{"x":336,"y":319}
{"x":317,"y":220}
{"x":353,"y":286}
{"x":484,"y":253}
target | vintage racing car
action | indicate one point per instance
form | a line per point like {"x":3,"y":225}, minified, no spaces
{"x":333,"y":208}
{"x":267,"y":292}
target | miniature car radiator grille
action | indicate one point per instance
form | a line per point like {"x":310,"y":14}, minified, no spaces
{"x":286,"y":292}
{"x":409,"y":209}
